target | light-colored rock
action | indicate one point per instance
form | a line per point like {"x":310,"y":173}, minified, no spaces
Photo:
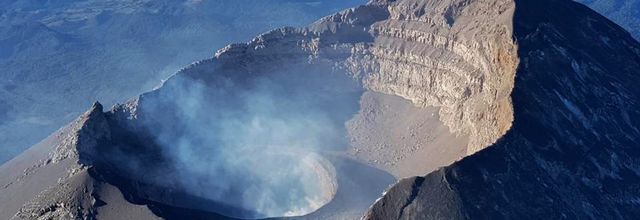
{"x":456,"y":55}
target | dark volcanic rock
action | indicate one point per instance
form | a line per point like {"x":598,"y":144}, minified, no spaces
{"x":574,"y":147}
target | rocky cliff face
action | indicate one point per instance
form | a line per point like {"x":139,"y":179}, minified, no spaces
{"x":572,"y":151}
{"x":457,"y":55}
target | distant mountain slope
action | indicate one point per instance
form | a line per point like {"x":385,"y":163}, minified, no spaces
{"x":624,"y":12}
{"x":573,"y":151}
{"x":56,"y":57}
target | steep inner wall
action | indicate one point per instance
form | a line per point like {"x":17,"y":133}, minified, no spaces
{"x":222,"y":125}
{"x":250,"y":140}
{"x":457,"y":55}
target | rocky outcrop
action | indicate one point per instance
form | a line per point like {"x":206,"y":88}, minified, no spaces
{"x":72,"y":198}
{"x":51,"y":179}
{"x":82,"y":145}
{"x":573,"y":149}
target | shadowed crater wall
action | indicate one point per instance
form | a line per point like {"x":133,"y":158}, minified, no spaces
{"x":249,"y":140}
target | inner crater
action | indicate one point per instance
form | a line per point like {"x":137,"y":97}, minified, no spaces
{"x":296,"y":184}
{"x":245,"y":146}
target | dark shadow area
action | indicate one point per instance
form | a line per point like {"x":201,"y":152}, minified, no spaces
{"x":137,"y":193}
{"x":200,"y":147}
{"x":576,"y":122}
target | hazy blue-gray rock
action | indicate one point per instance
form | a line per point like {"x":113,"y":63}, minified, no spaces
{"x":56,"y":57}
{"x":624,"y":12}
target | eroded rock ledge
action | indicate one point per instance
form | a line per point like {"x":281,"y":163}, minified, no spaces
{"x":457,"y":55}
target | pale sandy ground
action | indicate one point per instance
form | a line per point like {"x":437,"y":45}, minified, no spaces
{"x":392,"y":134}
{"x":27,"y":178}
{"x":23,"y":177}
{"x":118,"y":208}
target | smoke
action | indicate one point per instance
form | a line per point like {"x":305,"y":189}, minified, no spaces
{"x":57,"y":57}
{"x":254,"y":142}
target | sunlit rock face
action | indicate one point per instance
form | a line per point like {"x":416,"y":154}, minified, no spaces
{"x":457,"y":55}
